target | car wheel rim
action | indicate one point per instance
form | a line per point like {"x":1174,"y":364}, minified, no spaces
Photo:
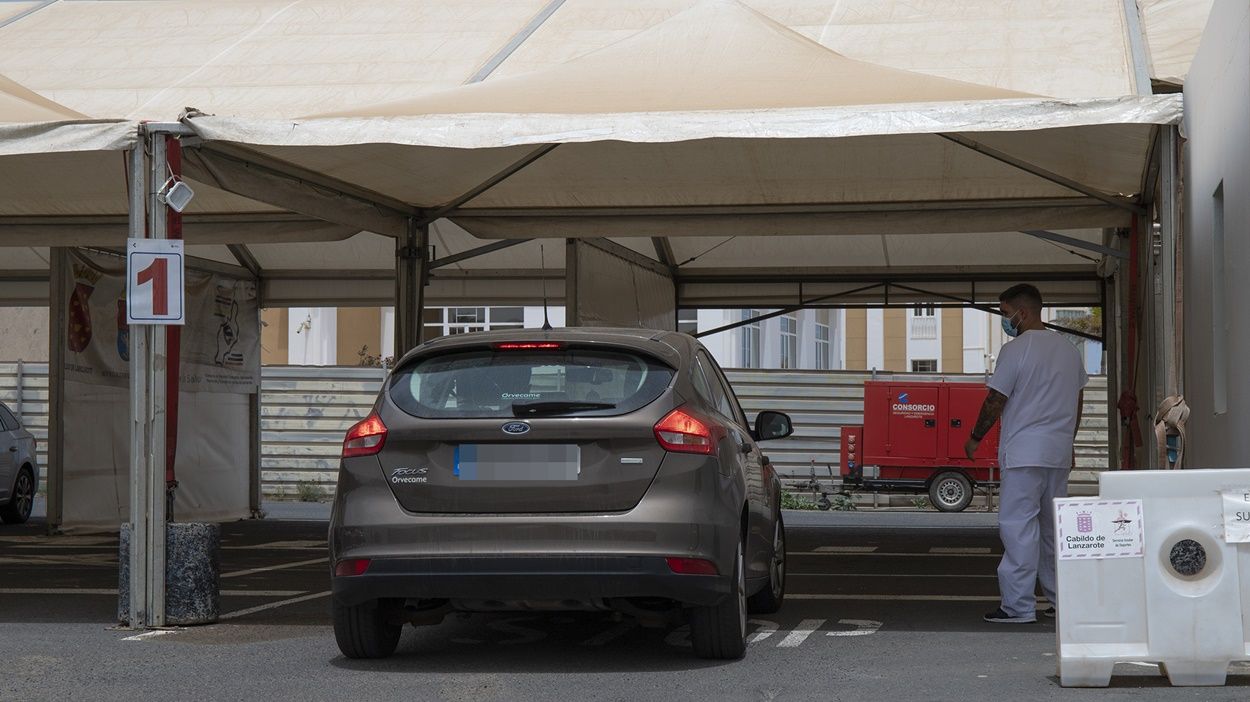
{"x":24,"y":498}
{"x":950,"y":492}
{"x":779,"y":560}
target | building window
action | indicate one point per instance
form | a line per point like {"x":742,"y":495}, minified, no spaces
{"x":822,"y":347}
{"x":442,"y":321}
{"x":924,"y":365}
{"x":789,"y":341}
{"x":749,"y":343}
{"x":924,"y":311}
{"x":688,"y":321}
{"x":924,"y":322}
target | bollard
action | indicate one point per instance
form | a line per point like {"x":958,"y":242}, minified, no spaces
{"x":192,"y":574}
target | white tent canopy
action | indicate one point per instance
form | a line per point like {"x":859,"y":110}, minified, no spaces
{"x":705,"y":152}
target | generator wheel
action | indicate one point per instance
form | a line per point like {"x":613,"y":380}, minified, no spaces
{"x":823,"y":503}
{"x":950,"y":491}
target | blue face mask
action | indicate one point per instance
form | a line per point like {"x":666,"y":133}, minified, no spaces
{"x":1009,"y":327}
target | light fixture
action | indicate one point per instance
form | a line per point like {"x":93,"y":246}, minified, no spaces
{"x":176,"y":194}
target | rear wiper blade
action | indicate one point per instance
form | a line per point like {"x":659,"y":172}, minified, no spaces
{"x":525,"y":409}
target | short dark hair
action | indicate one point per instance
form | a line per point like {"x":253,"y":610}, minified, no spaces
{"x":1022,"y":295}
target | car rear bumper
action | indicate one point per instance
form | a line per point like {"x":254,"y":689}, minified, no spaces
{"x":530,"y":578}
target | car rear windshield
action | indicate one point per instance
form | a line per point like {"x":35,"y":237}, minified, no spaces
{"x":529,"y":383}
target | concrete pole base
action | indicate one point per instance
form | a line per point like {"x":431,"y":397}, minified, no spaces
{"x":192,"y":574}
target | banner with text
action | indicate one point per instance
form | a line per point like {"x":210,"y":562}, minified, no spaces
{"x":220,"y":342}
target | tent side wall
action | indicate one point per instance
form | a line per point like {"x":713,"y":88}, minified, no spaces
{"x":1217,"y":249}
{"x":609,"y":285}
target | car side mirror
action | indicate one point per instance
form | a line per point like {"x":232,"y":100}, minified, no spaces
{"x":772,"y":425}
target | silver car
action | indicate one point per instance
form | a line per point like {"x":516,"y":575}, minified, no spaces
{"x":576,"y":469}
{"x":19,"y":469}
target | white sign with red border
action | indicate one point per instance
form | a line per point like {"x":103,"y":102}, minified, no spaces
{"x":1092,"y":529}
{"x":155,"y":288}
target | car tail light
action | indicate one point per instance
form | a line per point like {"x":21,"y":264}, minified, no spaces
{"x":366,"y":438}
{"x":691,"y":566}
{"x":528,"y":346}
{"x":352,"y":566}
{"x":682,"y":432}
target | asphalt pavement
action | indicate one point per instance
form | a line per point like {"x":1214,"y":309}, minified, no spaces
{"x":881,"y":606}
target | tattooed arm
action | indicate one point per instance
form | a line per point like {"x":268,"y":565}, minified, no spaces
{"x":991,"y":410}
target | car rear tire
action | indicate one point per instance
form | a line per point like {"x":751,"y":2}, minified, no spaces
{"x":22,"y":501}
{"x":365,"y":630}
{"x":950,"y":492}
{"x":720,"y":632}
{"x":770,"y":599}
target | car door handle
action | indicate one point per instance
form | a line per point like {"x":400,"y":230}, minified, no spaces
{"x":12,"y":449}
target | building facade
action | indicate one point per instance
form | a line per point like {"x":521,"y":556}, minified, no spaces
{"x":919,"y":339}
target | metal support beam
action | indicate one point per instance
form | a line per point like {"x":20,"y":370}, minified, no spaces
{"x":475,"y":252}
{"x":1041,"y":172}
{"x":58,"y":313}
{"x":438,"y":212}
{"x":1075,"y":243}
{"x":1137,"y":47}
{"x":664,"y":252}
{"x":571,"y":312}
{"x":515,"y":43}
{"x":410,"y":275}
{"x":244,"y":256}
{"x":1167,"y":356}
{"x":147,"y":409}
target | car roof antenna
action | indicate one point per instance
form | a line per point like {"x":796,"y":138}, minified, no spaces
{"x":542,"y":266}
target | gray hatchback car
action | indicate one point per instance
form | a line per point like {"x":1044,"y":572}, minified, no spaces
{"x":575,"y":469}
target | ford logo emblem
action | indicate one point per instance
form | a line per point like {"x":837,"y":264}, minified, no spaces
{"x":516,"y":428}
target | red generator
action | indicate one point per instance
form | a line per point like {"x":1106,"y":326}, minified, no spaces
{"x":913,"y":440}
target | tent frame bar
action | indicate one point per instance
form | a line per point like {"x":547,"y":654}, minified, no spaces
{"x":1075,"y":243}
{"x":1040,"y":172}
{"x":428,"y":216}
{"x":800,"y":208}
{"x":475,"y":252}
{"x":990,"y":309}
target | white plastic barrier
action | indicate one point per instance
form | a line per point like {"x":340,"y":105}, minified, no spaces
{"x":1155,"y":569}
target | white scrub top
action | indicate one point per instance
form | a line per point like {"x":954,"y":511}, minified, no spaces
{"x":1042,"y":375}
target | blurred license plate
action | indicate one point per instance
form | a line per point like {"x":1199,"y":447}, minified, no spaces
{"x":518,"y":461}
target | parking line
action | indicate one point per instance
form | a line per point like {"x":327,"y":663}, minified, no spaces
{"x":899,"y":598}
{"x":283,"y":566}
{"x":273,"y":605}
{"x":874,"y":554}
{"x":149,"y":635}
{"x":800,"y":633}
{"x":113,"y":591}
{"x":890,"y":575}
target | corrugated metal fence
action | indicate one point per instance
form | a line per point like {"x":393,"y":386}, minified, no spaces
{"x":306,"y":410}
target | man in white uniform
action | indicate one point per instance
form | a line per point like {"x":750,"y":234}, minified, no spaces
{"x":1037,"y":389}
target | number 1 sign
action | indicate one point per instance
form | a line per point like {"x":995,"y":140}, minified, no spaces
{"x":155,"y":293}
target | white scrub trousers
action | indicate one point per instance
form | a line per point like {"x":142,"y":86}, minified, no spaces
{"x":1026,"y":525}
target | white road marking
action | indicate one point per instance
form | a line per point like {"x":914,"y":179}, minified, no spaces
{"x":899,"y":598}
{"x":766,"y":629}
{"x":845,"y":549}
{"x":889,"y":575}
{"x":961,"y":551}
{"x":273,"y":605}
{"x":875,"y":554}
{"x":113,"y":591}
{"x":805,"y":629}
{"x":1142,"y":663}
{"x":149,"y":635}
{"x":863,"y":627}
{"x":614,"y":633}
{"x":282,"y":566}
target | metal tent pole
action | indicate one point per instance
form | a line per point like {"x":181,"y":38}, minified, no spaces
{"x":147,"y":409}
{"x":411,"y":267}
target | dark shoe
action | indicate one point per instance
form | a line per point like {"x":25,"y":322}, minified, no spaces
{"x":998,"y":616}
{"x":1049,"y":612}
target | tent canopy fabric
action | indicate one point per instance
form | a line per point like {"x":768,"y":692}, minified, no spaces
{"x":867,"y":131}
